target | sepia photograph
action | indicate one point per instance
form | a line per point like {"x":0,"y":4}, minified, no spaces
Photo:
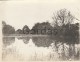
{"x":40,"y":30}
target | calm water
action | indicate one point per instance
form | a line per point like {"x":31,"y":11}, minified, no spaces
{"x":38,"y":49}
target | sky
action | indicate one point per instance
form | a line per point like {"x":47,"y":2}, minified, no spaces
{"x":20,"y":13}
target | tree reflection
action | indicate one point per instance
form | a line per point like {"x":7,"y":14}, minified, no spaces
{"x":42,"y":41}
{"x":25,"y":39}
{"x":8,"y":40}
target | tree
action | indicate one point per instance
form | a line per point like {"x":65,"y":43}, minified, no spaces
{"x":19,"y":31}
{"x":25,"y":29}
{"x":7,"y":29}
{"x":65,"y":29}
{"x":62,"y":17}
{"x":42,"y":28}
{"x":3,"y":23}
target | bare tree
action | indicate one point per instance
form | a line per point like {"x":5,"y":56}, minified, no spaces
{"x":62,"y":17}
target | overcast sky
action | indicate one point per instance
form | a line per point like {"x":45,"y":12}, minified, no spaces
{"x":20,"y":13}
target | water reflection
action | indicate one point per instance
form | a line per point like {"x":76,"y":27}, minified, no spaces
{"x":8,"y":40}
{"x":39,"y":48}
{"x":25,"y":39}
{"x":42,"y":41}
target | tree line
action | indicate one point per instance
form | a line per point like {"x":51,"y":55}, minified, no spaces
{"x":39,"y":28}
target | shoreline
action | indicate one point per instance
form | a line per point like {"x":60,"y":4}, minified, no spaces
{"x":24,"y":35}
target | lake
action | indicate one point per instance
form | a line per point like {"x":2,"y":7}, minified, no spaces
{"x":38,"y":48}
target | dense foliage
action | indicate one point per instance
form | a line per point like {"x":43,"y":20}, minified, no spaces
{"x":42,"y":28}
{"x":7,"y":29}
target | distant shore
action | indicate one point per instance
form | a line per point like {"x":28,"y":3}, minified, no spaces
{"x":24,"y":35}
